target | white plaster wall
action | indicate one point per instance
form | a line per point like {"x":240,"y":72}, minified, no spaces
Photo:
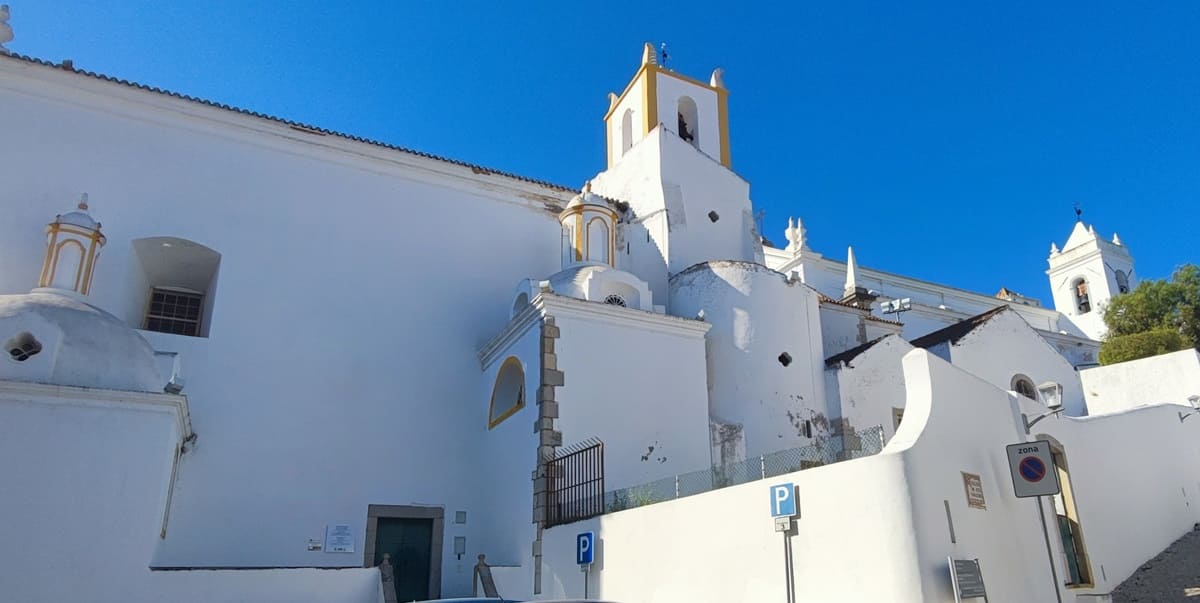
{"x":867,"y":388}
{"x":502,"y":520}
{"x":308,"y":399}
{"x":840,"y":329}
{"x":670,"y":89}
{"x":1136,"y":478}
{"x":638,"y":388}
{"x":666,"y":173}
{"x":299,"y":585}
{"x":756,"y":316}
{"x":854,"y":543}
{"x":1005,"y":346}
{"x":1164,"y":379}
{"x":84,"y":488}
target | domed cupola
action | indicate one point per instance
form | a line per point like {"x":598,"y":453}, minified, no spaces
{"x":588,"y":230}
{"x":73,"y":242}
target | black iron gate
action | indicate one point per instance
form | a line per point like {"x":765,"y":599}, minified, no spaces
{"x":575,"y":481}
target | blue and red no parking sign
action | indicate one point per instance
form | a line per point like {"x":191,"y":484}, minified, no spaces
{"x":1032,"y":466}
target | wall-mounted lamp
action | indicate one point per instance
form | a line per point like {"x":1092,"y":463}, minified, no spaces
{"x":1195,"y":402}
{"x":1051,"y":395}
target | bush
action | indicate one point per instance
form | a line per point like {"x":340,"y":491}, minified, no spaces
{"x":1121,"y":348}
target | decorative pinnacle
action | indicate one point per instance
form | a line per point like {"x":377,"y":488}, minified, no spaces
{"x":649,"y":57}
{"x":1053,"y":249}
{"x":718,"y":78}
{"x":83,"y":202}
{"x":587,"y":186}
{"x":1116,"y":239}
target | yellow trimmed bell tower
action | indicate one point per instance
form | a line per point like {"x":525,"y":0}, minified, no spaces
{"x":696,"y":112}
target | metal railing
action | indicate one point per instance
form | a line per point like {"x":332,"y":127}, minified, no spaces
{"x":575,"y":484}
{"x":826,"y":451}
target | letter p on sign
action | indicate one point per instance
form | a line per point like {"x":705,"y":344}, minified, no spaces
{"x":585,"y":549}
{"x":783,"y":500}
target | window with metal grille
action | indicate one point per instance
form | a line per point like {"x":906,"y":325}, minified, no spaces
{"x":174,"y":311}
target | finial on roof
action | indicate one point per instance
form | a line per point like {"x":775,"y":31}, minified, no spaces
{"x":851,"y":273}
{"x":1116,"y":239}
{"x":648,"y":55}
{"x":83,"y":202}
{"x":587,"y":186}
{"x":718,"y":78}
{"x":612,"y":100}
{"x":6,"y":32}
{"x":1053,"y":249}
{"x":797,"y":236}
{"x":1091,"y":229}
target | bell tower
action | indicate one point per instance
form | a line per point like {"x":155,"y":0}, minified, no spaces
{"x":695,"y":111}
{"x":1087,"y":272}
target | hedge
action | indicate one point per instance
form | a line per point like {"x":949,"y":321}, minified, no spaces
{"x":1141,"y":345}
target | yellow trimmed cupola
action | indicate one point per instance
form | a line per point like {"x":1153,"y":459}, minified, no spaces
{"x":588,"y":230}
{"x":696,"y":112}
{"x":73,"y":242}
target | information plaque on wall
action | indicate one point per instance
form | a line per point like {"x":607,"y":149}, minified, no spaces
{"x":339,"y":538}
{"x":967,"y":579}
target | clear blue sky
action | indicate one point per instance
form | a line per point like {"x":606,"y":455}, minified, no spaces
{"x":946,"y":141}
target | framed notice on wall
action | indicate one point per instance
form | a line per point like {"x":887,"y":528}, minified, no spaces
{"x":973,"y":484}
{"x":339,"y":538}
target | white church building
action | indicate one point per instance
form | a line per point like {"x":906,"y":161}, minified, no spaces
{"x":247,"y":364}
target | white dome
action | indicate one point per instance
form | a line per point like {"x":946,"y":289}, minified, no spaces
{"x":78,"y":218}
{"x":77,"y":344}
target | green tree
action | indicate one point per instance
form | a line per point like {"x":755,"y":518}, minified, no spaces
{"x":1158,"y":316}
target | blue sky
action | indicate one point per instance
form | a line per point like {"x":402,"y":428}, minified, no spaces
{"x":947,"y":141}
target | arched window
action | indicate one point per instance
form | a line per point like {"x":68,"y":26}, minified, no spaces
{"x":508,"y":393}
{"x":1024,"y":385}
{"x":1122,"y":282}
{"x":597,"y":241}
{"x":68,"y":266}
{"x":1075,"y":557}
{"x":689,"y":122}
{"x":1083,"y":303}
{"x":626,"y":131}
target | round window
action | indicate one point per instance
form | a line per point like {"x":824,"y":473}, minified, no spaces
{"x":615,"y":300}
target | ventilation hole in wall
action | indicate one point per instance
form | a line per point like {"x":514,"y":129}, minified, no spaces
{"x":615,"y":300}
{"x":785,"y":359}
{"x":22,"y":346}
{"x":714,"y":216}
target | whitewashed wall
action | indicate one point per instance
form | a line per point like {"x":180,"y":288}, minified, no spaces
{"x":665,"y":174}
{"x":888,"y":513}
{"x":757,"y":315}
{"x":307,"y":397}
{"x":636,"y":380}
{"x":1164,"y":379}
{"x":864,"y":391}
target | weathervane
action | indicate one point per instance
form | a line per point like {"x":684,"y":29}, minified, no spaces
{"x":1078,"y":212}
{"x":663,"y":50}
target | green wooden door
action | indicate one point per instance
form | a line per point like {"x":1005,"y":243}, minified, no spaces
{"x":408,"y":541}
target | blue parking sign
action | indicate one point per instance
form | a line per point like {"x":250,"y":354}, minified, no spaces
{"x":585,"y":548}
{"x":783,"y":500}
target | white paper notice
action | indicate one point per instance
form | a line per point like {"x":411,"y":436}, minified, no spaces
{"x":339,"y":538}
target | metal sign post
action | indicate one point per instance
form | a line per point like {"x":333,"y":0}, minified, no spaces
{"x":1034,"y":476}
{"x":585,"y":554}
{"x":784,"y":510}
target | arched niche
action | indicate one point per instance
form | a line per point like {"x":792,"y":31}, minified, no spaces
{"x":178,"y":285}
{"x":508,"y":392}
{"x":626,"y":131}
{"x":688,"y":120}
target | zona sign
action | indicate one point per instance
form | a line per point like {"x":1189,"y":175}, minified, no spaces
{"x":1031,"y":463}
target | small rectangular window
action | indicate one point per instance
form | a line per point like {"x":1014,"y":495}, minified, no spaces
{"x":174,"y":311}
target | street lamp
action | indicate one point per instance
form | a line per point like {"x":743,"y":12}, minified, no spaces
{"x":1195,"y":402}
{"x":1051,"y":395}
